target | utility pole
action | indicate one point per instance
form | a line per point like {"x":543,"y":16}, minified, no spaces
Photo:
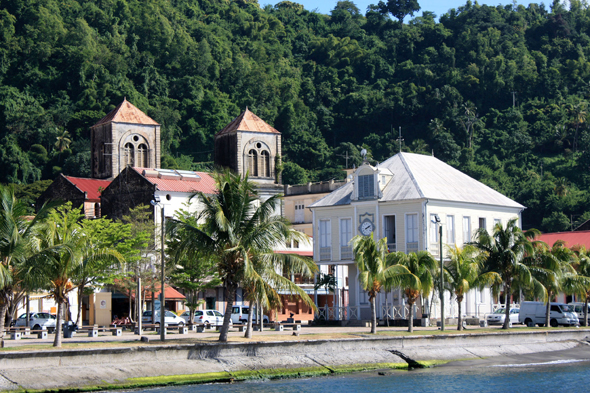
{"x":400,"y":139}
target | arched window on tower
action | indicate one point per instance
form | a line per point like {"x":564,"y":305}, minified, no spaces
{"x":129,"y":154}
{"x":265,"y":164}
{"x":142,"y":155}
{"x":253,"y":163}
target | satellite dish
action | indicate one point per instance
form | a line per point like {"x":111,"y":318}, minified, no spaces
{"x":364,"y":153}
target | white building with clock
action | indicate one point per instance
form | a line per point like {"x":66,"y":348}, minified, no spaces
{"x":399,"y":199}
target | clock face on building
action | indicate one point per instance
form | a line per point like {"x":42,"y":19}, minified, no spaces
{"x":366,"y":227}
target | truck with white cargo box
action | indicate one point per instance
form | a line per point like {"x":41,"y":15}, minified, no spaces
{"x":532,"y":313}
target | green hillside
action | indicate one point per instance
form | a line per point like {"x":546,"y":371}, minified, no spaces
{"x":499,"y":92}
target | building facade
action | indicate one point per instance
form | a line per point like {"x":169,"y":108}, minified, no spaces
{"x":400,"y":200}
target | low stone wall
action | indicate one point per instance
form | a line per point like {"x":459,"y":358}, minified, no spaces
{"x":67,"y":368}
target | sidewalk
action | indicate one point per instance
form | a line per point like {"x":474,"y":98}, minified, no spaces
{"x":209,"y":335}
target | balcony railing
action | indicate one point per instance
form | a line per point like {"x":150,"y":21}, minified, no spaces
{"x":412,"y":247}
{"x":345,"y":253}
{"x":325,"y":253}
{"x":391,"y":247}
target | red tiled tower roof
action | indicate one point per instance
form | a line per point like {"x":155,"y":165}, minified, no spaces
{"x":126,"y":112}
{"x":248,"y":121}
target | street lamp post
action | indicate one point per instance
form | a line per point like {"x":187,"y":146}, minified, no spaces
{"x":156,"y":202}
{"x":442,"y":280}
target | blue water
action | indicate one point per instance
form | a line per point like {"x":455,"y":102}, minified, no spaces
{"x":562,"y":376}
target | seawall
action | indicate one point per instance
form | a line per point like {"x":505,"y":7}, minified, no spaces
{"x":137,"y":366}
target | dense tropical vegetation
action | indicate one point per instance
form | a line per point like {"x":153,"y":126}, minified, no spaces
{"x":500,"y":92}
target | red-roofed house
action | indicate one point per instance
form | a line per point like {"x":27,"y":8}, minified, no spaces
{"x":571,"y":239}
{"x":78,"y":190}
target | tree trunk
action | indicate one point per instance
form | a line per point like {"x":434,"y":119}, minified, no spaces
{"x":230,"y":294}
{"x":507,"y":315}
{"x":460,"y":318}
{"x":586,"y":311}
{"x":79,"y":312}
{"x":548,"y":311}
{"x":58,"y":327}
{"x":130,"y":312}
{"x":411,"y":319}
{"x":373,"y":316}
{"x":249,"y":324}
{"x":261,"y":319}
{"x":3,"y":309}
{"x":192,"y":307}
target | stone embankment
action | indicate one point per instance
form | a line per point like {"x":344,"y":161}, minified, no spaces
{"x":160,"y":364}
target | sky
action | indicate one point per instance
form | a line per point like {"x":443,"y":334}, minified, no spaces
{"x":439,"y":7}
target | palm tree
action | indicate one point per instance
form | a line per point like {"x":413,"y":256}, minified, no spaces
{"x":582,"y":265}
{"x":505,"y":250}
{"x":463,"y":272}
{"x":63,"y":141}
{"x":63,"y":251}
{"x":17,"y":239}
{"x":239,"y":229}
{"x":417,"y":281}
{"x":376,"y":271}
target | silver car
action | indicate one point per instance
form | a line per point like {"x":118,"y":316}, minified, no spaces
{"x":498,"y":316}
{"x":170,"y":318}
{"x":37,"y":320}
{"x":207,"y":317}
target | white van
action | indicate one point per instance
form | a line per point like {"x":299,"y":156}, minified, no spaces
{"x":579,"y":309}
{"x":532,"y":313}
{"x":239,"y":314}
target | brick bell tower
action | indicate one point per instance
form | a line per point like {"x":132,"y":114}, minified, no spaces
{"x":125,"y":136}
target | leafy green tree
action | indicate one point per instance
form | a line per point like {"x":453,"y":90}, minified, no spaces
{"x":376,"y":270}
{"x":194,"y":270}
{"x":417,"y":281}
{"x":399,"y":8}
{"x":505,"y":249}
{"x":239,"y":230}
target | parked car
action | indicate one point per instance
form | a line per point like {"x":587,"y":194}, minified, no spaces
{"x":211,"y":318}
{"x":239,"y":314}
{"x":560,"y":314}
{"x":170,"y":318}
{"x":37,"y":320}
{"x":498,"y":317}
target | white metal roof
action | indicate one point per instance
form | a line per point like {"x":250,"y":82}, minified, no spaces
{"x":417,"y":176}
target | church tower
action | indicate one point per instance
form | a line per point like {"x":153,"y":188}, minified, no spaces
{"x":250,"y":145}
{"x":126,"y":136}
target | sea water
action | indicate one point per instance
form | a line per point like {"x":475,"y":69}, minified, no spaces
{"x":567,"y":375}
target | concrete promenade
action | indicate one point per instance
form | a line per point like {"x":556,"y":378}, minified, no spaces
{"x":316,"y":351}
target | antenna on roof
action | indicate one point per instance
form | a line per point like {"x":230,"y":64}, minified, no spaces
{"x":400,"y":139}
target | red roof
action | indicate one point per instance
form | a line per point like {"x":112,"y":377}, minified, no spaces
{"x":302,"y":253}
{"x":92,"y":187}
{"x":206,"y":184}
{"x":248,"y":121}
{"x":571,"y":239}
{"x":170,"y":294}
{"x":126,"y":112}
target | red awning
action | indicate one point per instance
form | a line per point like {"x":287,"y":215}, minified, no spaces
{"x":170,"y":294}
